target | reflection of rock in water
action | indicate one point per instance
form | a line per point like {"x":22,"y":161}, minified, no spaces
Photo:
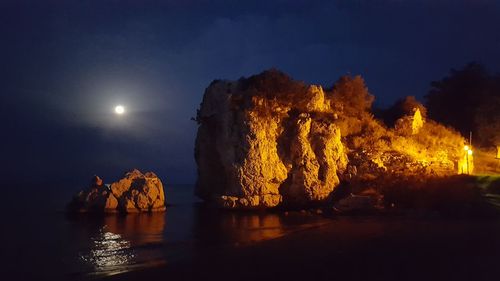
{"x":254,"y":228}
{"x":215,"y":226}
{"x":122,"y":243}
{"x":245,"y":228}
{"x":138,"y":228}
{"x":218,"y":227}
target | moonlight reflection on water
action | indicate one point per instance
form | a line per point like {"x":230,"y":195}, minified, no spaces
{"x":109,"y":253}
{"x":116,"y":244}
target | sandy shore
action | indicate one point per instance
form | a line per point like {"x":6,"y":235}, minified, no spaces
{"x":352,"y":249}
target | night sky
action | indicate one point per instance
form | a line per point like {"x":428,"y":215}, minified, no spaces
{"x":64,"y":65}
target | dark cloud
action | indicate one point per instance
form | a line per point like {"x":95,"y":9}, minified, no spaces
{"x":65,"y":64}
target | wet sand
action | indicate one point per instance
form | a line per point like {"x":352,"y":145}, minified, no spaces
{"x":351,"y":248}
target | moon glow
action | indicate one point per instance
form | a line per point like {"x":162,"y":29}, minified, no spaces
{"x":119,"y":109}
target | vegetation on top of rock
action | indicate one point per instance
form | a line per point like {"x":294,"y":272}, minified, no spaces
{"x":268,"y":140}
{"x":272,"y":84}
{"x":352,"y":94}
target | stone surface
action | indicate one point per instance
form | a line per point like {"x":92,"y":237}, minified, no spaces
{"x":258,"y":148}
{"x":135,"y":192}
{"x":267,"y":141}
{"x":358,"y":203}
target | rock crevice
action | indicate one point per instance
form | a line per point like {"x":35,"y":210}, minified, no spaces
{"x":259,"y":148}
{"x":268,"y":140}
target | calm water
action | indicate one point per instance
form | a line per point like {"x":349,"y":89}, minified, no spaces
{"x":39,"y":241}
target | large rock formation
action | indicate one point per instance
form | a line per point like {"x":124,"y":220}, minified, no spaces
{"x":135,"y":192}
{"x":267,"y":141}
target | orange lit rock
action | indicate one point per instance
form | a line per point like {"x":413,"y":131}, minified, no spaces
{"x":316,"y":153}
{"x":111,"y":203}
{"x":266,"y":141}
{"x":96,"y":182}
{"x":123,"y":185}
{"x":96,"y":198}
{"x":135,"y":192}
{"x":410,"y":124}
{"x":139,"y":192}
{"x":417,"y":122}
{"x":415,"y":146}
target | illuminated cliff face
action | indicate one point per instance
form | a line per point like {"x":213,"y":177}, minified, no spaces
{"x":268,"y":140}
{"x":257,"y":149}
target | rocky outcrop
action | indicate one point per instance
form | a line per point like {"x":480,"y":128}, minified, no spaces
{"x":410,"y":124}
{"x":96,"y":198}
{"x":135,"y":192}
{"x":367,"y":201}
{"x":267,"y":141}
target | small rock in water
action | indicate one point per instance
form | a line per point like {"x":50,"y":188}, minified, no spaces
{"x":135,"y":192}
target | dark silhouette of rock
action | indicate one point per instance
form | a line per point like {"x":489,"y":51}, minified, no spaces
{"x":135,"y":192}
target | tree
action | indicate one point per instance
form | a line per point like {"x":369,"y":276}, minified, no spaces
{"x":352,"y":103}
{"x":466,"y":100}
{"x":487,"y":121}
{"x":353,"y":95}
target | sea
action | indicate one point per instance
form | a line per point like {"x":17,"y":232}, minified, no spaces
{"x":40,"y":241}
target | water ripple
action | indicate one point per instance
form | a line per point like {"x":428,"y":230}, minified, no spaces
{"x":109,"y":252}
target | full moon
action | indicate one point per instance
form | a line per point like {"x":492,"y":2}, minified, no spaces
{"x":119,"y":109}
